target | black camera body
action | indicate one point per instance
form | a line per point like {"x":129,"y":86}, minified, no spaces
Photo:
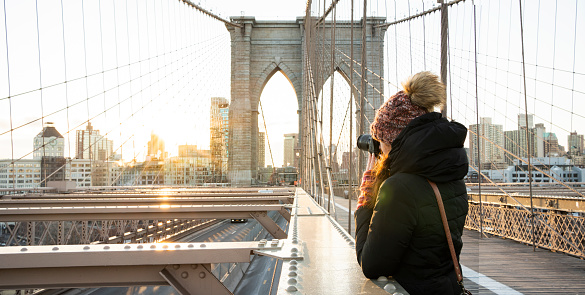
{"x":366,"y":142}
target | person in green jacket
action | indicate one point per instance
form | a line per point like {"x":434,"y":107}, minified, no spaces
{"x":399,"y":231}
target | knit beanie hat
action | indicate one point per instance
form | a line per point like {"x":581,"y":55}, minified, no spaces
{"x":422,"y":92}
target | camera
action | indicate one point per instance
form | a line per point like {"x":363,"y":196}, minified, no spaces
{"x":366,"y":142}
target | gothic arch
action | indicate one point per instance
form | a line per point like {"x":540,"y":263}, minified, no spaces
{"x":267,"y":74}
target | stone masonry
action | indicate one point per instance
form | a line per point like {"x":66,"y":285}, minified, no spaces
{"x":261,"y":48}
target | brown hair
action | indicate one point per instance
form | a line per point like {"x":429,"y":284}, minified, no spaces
{"x":380,"y":172}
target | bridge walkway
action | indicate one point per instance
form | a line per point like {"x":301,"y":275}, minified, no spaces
{"x":501,"y":266}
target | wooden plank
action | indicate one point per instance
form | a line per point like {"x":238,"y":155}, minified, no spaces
{"x":517,"y":266}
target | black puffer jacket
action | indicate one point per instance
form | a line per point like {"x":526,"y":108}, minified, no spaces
{"x":403,"y":235}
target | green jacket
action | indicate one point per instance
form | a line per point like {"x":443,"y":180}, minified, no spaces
{"x":403,"y":236}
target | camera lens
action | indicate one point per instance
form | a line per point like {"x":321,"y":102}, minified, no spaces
{"x":363,"y":142}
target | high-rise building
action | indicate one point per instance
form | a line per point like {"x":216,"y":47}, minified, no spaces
{"x":90,"y":145}
{"x":522,"y":121}
{"x":156,"y":148}
{"x":49,"y":147}
{"x":194,"y":169}
{"x":188,"y":151}
{"x":24,"y":173}
{"x":491,"y":142}
{"x":575,"y":142}
{"x":219,"y":133}
{"x":261,"y":149}
{"x":539,"y":131}
{"x":79,"y":171}
{"x":516,"y":141}
{"x":48,"y":143}
{"x":551,"y":145}
{"x":290,"y":142}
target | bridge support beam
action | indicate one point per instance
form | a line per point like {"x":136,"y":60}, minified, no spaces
{"x":193,"y":279}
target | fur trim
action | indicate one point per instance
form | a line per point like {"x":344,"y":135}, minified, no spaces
{"x":425,"y":90}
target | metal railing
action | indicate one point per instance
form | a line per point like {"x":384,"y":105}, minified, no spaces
{"x":554,"y":230}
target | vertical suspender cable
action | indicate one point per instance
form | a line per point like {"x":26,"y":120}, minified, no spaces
{"x":574,"y":55}
{"x":526,"y":118}
{"x":444,"y":40}
{"x":424,"y":37}
{"x":333,"y":25}
{"x":477,"y":122}
{"x":350,"y":168}
{"x":66,"y":87}
{"x":363,"y":83}
{"x":10,"y":100}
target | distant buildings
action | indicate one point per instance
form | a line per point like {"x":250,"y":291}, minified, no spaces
{"x":24,"y":173}
{"x":90,"y":145}
{"x":219,"y":134}
{"x":49,"y":147}
{"x":491,"y":142}
{"x":156,"y":148}
{"x":290,"y":142}
{"x":48,"y":143}
{"x":575,"y":144}
{"x":517,"y":141}
{"x":193,"y":168}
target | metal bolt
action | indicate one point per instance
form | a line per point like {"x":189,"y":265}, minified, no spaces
{"x":139,"y":247}
{"x":194,"y":266}
{"x":294,"y":254}
{"x":86,"y":248}
{"x":106,"y":247}
{"x":293,"y":262}
{"x":292,"y":281}
{"x":177,"y":246}
{"x":397,"y":293}
{"x":176,"y":266}
{"x":291,"y":289}
{"x":24,"y":249}
{"x":190,"y":246}
{"x":202,"y":246}
{"x":126,"y":247}
{"x":294,"y":249}
{"x":202,"y":275}
{"x":382,"y":279}
{"x":184,"y":275}
{"x":390,"y":288}
{"x":292,"y":274}
{"x":153,"y":247}
{"x":165,"y":246}
{"x":292,"y":267}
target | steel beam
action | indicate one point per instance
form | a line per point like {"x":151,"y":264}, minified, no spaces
{"x":193,"y":279}
{"x":269,"y":224}
{"x":75,"y":266}
{"x":123,"y":201}
{"x":133,"y":212}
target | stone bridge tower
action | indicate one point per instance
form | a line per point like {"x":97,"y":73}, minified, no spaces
{"x":261,"y":48}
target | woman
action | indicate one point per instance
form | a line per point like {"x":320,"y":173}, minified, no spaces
{"x":399,"y":231}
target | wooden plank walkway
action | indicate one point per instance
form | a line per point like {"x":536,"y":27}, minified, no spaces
{"x":514,"y":267}
{"x":520,"y":268}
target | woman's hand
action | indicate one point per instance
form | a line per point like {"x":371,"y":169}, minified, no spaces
{"x":371,"y":162}
{"x":367,"y":185}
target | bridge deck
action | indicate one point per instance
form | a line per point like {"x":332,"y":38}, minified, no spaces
{"x":514,"y":266}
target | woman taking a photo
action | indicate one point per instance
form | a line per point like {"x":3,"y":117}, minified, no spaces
{"x":399,"y":231}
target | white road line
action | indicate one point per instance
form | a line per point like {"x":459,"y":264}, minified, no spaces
{"x":487,"y":282}
{"x":341,"y":207}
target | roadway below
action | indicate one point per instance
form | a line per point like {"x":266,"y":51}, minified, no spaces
{"x":260,"y":276}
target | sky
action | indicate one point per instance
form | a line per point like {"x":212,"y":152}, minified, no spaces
{"x":136,"y":60}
